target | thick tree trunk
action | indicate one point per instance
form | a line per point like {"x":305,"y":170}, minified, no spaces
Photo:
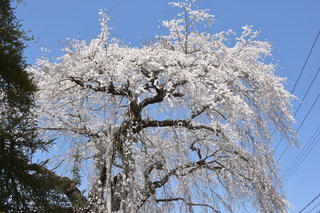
{"x":67,"y":186}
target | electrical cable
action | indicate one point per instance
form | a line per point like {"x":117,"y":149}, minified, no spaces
{"x":315,"y":101}
{"x":296,"y":83}
{"x":309,"y":203}
{"x":304,"y":150}
{"x":312,"y":142}
{"x":313,"y":146}
{"x":304,"y":65}
{"x":314,"y":208}
{"x":297,"y":110}
{"x":305,"y":95}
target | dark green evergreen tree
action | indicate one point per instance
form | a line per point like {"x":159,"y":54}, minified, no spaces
{"x":23,"y":187}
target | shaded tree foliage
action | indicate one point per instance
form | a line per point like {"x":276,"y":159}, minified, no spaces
{"x":22,"y":187}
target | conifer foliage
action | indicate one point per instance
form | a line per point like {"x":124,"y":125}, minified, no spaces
{"x":22,"y":188}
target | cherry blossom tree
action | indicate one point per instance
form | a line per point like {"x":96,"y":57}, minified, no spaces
{"x":183,"y":122}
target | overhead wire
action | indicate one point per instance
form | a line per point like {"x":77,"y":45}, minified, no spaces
{"x":315,"y":142}
{"x":305,"y":63}
{"x":297,"y":110}
{"x":305,"y":95}
{"x":314,"y":199}
{"x":314,"y":208}
{"x":307,"y":115}
{"x":312,"y":142}
{"x":296,"y":83}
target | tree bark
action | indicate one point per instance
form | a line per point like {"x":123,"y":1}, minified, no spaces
{"x":67,"y":186}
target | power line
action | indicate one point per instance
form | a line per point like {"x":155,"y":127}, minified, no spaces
{"x":310,"y":203}
{"x":315,"y":101}
{"x":301,"y":71}
{"x":312,"y":147}
{"x":304,"y":65}
{"x":305,"y":95}
{"x":314,"y":208}
{"x":303,"y":151}
{"x":312,"y":142}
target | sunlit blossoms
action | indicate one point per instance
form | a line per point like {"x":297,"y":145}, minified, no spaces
{"x":181,"y":123}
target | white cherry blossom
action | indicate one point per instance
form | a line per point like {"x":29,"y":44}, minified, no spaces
{"x":184,"y":121}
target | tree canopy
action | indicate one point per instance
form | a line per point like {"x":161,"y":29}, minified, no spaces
{"x":22,"y":188}
{"x":184,"y":121}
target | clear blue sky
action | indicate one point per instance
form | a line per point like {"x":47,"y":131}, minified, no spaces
{"x":291,"y":26}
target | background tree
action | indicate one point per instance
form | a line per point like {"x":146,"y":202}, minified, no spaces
{"x":22,"y":188}
{"x":183,"y":121}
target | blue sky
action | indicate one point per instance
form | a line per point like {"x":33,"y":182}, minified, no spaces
{"x":290,"y":25}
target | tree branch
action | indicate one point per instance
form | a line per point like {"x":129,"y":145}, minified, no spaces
{"x":175,"y":123}
{"x":187,"y":202}
{"x":67,"y":186}
{"x":191,"y":165}
{"x":108,"y":89}
{"x":161,"y":94}
{"x":152,"y":100}
{"x":193,"y":148}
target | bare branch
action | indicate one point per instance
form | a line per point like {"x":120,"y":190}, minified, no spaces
{"x":108,"y":89}
{"x":176,"y":123}
{"x":186,"y":202}
{"x":191,"y":166}
{"x":193,"y":148}
{"x":161,"y":94}
{"x":67,"y":186}
{"x":198,"y":112}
